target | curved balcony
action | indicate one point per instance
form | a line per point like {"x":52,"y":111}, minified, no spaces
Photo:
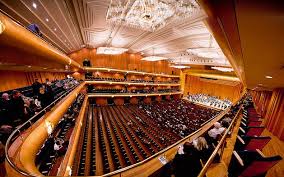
{"x":15,"y":35}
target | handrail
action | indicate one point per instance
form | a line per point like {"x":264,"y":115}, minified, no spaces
{"x":131,"y":83}
{"x":20,"y":129}
{"x":214,"y":153}
{"x":128,"y":72}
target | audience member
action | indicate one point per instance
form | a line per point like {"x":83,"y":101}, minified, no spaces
{"x":217,"y":130}
{"x":186,"y":163}
{"x":202,"y":148}
{"x":36,"y":86}
{"x":18,"y":105}
{"x":5,"y":108}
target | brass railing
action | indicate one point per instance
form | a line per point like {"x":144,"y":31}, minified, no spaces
{"x":220,"y":146}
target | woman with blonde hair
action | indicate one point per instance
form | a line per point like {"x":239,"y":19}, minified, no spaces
{"x":202,"y":148}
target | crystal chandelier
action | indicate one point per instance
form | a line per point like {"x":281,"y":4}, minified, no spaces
{"x":223,"y":69}
{"x":111,"y":50}
{"x":149,"y":15}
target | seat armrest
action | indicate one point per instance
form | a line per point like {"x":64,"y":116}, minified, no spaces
{"x":242,"y":130}
{"x":241,"y":140}
{"x":240,"y":160}
{"x":260,"y":153}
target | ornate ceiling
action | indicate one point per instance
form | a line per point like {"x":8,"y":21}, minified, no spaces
{"x":73,"y":24}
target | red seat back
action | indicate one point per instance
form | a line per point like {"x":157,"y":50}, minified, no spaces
{"x":254,"y":123}
{"x":258,"y":168}
{"x":257,"y":143}
{"x":255,"y":131}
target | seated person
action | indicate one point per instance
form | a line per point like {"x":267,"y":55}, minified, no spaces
{"x":226,"y":122}
{"x":186,"y":163}
{"x":202,"y":148}
{"x":217,"y":130}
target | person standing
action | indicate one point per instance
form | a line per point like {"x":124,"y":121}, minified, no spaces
{"x":36,"y":86}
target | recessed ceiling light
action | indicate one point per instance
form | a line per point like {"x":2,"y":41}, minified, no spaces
{"x":47,"y":19}
{"x":34,"y":5}
{"x":44,"y":68}
{"x":29,"y":66}
{"x":54,"y":29}
{"x":268,"y":77}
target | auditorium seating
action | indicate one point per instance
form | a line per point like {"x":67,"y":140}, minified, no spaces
{"x":251,"y":142}
{"x":251,"y":164}
{"x":125,"y":135}
{"x":247,"y":159}
{"x":137,"y":80}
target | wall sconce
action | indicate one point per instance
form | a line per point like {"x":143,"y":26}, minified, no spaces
{"x":49,"y":127}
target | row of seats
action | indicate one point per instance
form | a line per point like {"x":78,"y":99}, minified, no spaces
{"x":125,"y":135}
{"x":113,"y":90}
{"x":247,"y":159}
{"x":129,"y":80}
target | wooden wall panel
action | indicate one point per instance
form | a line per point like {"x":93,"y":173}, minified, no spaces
{"x":133,"y":100}
{"x":147,"y":100}
{"x":271,"y":106}
{"x":118,"y":101}
{"x":261,"y":101}
{"x":124,"y":61}
{"x":101,"y":101}
{"x":275,"y":113}
{"x":16,"y":79}
{"x":194,"y":85}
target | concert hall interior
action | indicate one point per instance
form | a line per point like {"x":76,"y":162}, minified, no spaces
{"x":142,"y":88}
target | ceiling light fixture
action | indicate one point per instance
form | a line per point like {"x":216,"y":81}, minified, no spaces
{"x":153,"y":57}
{"x":47,"y":19}
{"x":111,"y":50}
{"x":149,"y":15}
{"x":268,"y":77}
{"x":54,"y":29}
{"x":34,"y":5}
{"x":180,"y":66}
{"x":223,"y":69}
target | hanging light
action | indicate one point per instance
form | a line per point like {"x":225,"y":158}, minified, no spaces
{"x":153,"y":57}
{"x":223,"y":69}
{"x":149,"y":15}
{"x":180,"y":66}
{"x":111,"y":50}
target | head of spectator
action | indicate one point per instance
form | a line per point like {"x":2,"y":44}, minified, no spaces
{"x":5,"y":96}
{"x":47,"y":82}
{"x":16,"y":94}
{"x":217,"y":125}
{"x":200,"y":144}
{"x":217,"y":130}
{"x":188,"y":148}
